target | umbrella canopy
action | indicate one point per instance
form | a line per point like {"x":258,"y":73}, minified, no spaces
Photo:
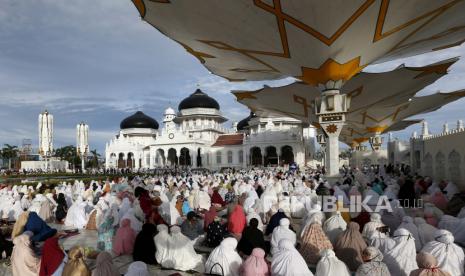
{"x":379,"y":101}
{"x":318,"y":42}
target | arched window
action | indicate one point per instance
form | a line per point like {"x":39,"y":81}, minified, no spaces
{"x":241,"y":156}
{"x":440,"y":172}
{"x":428,"y":163}
{"x":230,"y":157}
{"x":218,"y":157}
{"x":454,"y":166}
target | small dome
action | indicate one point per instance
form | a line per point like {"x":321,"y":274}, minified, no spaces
{"x":198,"y":99}
{"x":170,"y":111}
{"x":139,"y":120}
{"x":245,"y":122}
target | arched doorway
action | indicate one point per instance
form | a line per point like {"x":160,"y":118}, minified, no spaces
{"x":160,"y":159}
{"x":287,"y":155}
{"x":199,"y":158}
{"x":184,"y":157}
{"x":256,"y":156}
{"x":440,"y":166}
{"x":130,"y":161}
{"x":172,"y":158}
{"x":121,"y":162}
{"x":271,"y":156}
{"x":112,"y":162}
{"x":454,"y":166}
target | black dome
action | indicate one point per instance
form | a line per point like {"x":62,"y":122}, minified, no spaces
{"x":245,"y":122}
{"x":198,"y":99}
{"x":139,"y":120}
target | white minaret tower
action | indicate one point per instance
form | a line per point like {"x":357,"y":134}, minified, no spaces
{"x":424,"y":129}
{"x":45,"y":134}
{"x":82,"y":142}
{"x":445,"y":128}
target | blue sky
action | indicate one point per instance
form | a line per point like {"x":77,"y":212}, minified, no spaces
{"x":96,"y":61}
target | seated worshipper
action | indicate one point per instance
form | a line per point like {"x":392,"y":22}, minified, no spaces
{"x":407,"y":223}
{"x":181,"y":254}
{"x":53,"y":258}
{"x":237,"y":221}
{"x":137,"y":269}
{"x":450,"y":257}
{"x":6,"y":246}
{"x":76,"y":216}
{"x":106,"y":229}
{"x":372,"y":263}
{"x":252,"y":213}
{"x":224,"y":260}
{"x":251,"y":238}
{"x":30,"y":221}
{"x":191,"y":226}
{"x":334,"y":226}
{"x":136,"y":222}
{"x":314,"y":240}
{"x":255,"y":264}
{"x":350,"y":245}
{"x":425,"y":230}
{"x":370,"y":228}
{"x":62,"y":208}
{"x":401,"y":258}
{"x":217,"y":199}
{"x":104,"y":265}
{"x":76,"y":265}
{"x":161,"y":243}
{"x":144,"y":246}
{"x":380,"y":239}
{"x":216,"y":232}
{"x":428,"y":266}
{"x":282,"y":232}
{"x":274,"y":221}
{"x":209,"y":217}
{"x":329,"y":264}
{"x":145,"y":202}
{"x":123,"y":243}
{"x":24,"y":261}
{"x":288,"y":262}
{"x":46,"y":210}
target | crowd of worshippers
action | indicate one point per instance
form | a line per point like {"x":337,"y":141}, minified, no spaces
{"x":253,"y":222}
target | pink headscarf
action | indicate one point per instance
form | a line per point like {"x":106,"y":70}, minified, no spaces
{"x":124,"y":239}
{"x":439,"y":199}
{"x":255,"y":264}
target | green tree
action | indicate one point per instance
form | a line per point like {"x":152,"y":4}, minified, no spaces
{"x":9,"y":152}
{"x":68,"y":153}
{"x":93,"y":163}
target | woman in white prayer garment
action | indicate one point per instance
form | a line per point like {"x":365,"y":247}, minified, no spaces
{"x":16,"y":209}
{"x":450,"y":256}
{"x":282,"y":232}
{"x":297,"y":208}
{"x":329,"y":264}
{"x":181,"y":254}
{"x":288,"y":261}
{"x":407,"y":223}
{"x":224,"y":259}
{"x":370,"y":228}
{"x":334,"y":226}
{"x":161,"y":243}
{"x":401,"y":260}
{"x":124,"y":207}
{"x":76,"y":216}
{"x":425,"y":231}
{"x":251,"y":213}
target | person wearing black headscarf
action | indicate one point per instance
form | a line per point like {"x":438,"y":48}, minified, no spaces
{"x":144,"y":246}
{"x":62,"y":208}
{"x":251,"y":238}
{"x":274,"y":221}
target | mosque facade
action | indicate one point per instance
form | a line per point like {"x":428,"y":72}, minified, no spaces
{"x":195,"y":136}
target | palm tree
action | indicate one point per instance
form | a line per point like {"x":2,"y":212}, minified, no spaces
{"x":69,"y":154}
{"x":95,"y":157}
{"x":10,"y":152}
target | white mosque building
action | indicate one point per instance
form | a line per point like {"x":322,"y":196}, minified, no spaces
{"x":194,"y":136}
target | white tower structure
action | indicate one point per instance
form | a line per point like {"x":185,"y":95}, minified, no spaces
{"x":82,"y":141}
{"x":45,"y":134}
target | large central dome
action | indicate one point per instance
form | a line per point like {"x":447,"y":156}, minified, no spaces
{"x":198,"y":99}
{"x":139,"y":120}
